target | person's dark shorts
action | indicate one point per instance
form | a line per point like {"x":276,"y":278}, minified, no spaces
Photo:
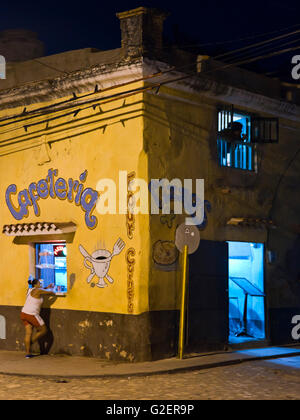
{"x":34,"y":320}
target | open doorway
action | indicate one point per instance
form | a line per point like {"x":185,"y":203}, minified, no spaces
{"x":246,"y":292}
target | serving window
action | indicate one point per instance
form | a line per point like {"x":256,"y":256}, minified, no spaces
{"x":51,"y":265}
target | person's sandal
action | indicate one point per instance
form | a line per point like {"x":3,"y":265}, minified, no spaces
{"x":29,"y":356}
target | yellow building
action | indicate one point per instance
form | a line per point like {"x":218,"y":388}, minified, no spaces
{"x":77,"y":126}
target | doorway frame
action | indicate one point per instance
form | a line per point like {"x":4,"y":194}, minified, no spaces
{"x":253,"y":343}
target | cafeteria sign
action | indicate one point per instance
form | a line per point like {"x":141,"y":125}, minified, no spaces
{"x":70,"y":190}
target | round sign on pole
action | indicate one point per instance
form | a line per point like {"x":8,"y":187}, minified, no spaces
{"x":187,"y":235}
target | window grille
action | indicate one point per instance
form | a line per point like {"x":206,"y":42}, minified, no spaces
{"x":264,"y":130}
{"x":236,"y":149}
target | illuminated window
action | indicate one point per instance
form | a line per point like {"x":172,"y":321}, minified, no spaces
{"x":238,"y":132}
{"x":51,"y":264}
{"x":234,"y":141}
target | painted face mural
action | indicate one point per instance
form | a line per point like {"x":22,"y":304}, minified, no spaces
{"x":100,"y":262}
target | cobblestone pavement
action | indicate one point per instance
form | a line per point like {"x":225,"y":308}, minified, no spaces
{"x":248,"y":381}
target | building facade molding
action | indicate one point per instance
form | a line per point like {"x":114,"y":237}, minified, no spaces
{"x":78,"y":82}
{"x":220,"y":92}
{"x":106,"y":76}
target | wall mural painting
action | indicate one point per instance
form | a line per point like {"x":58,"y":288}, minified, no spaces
{"x":130,"y":283}
{"x":165,"y":255}
{"x":207,"y":209}
{"x":130,"y":219}
{"x":100,"y":261}
{"x":167,"y":219}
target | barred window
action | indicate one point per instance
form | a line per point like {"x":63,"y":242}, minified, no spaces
{"x":238,"y":132}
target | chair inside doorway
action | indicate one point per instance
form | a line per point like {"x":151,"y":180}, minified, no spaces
{"x":246,"y":292}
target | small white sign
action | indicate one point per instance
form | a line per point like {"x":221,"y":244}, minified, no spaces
{"x":187,"y":235}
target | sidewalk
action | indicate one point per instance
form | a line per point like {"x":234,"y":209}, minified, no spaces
{"x":61,"y":366}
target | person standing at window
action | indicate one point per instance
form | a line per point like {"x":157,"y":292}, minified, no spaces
{"x":30,"y":314}
{"x":233,"y":135}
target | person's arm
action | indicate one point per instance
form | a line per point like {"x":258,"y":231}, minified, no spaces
{"x":46,"y":292}
{"x":51,"y":292}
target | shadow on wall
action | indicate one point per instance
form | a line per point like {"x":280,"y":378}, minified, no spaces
{"x":46,"y":342}
{"x":72,"y":280}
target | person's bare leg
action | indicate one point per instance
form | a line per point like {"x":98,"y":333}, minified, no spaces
{"x":39,"y":334}
{"x":28,"y":333}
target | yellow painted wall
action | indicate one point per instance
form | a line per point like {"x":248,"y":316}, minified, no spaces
{"x":96,"y":141}
{"x":170,"y":135}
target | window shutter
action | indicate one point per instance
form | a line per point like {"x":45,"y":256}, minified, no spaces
{"x":264,"y":130}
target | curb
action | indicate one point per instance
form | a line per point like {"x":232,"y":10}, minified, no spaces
{"x":159,"y":371}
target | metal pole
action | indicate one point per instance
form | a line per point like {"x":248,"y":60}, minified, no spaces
{"x":183,"y":304}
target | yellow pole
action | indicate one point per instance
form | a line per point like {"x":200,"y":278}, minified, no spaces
{"x":183,"y":304}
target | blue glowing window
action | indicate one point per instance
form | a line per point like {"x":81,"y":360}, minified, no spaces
{"x":235,"y":149}
{"x":51,"y":265}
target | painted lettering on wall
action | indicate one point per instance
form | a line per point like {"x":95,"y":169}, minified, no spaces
{"x":130,"y":260}
{"x":51,"y":186}
{"x":130,"y":218}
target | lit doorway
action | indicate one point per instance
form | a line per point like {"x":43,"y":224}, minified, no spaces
{"x":246,"y":292}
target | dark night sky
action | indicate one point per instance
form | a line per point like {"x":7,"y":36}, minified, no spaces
{"x":66,"y":25}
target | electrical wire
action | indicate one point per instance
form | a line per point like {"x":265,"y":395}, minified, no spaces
{"x":257,"y":44}
{"x":50,"y":67}
{"x":95,"y":103}
{"x":231,"y":41}
{"x":265,"y":49}
{"x":75,"y":97}
{"x":134,"y":91}
{"x":264,"y":56}
{"x":98,"y":101}
{"x":42,"y":109}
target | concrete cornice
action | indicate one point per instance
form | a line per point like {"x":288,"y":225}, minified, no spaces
{"x":78,"y":82}
{"x":104,"y":76}
{"x":222,"y":93}
{"x":245,"y":99}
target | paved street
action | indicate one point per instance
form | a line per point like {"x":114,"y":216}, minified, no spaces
{"x":276,"y":379}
